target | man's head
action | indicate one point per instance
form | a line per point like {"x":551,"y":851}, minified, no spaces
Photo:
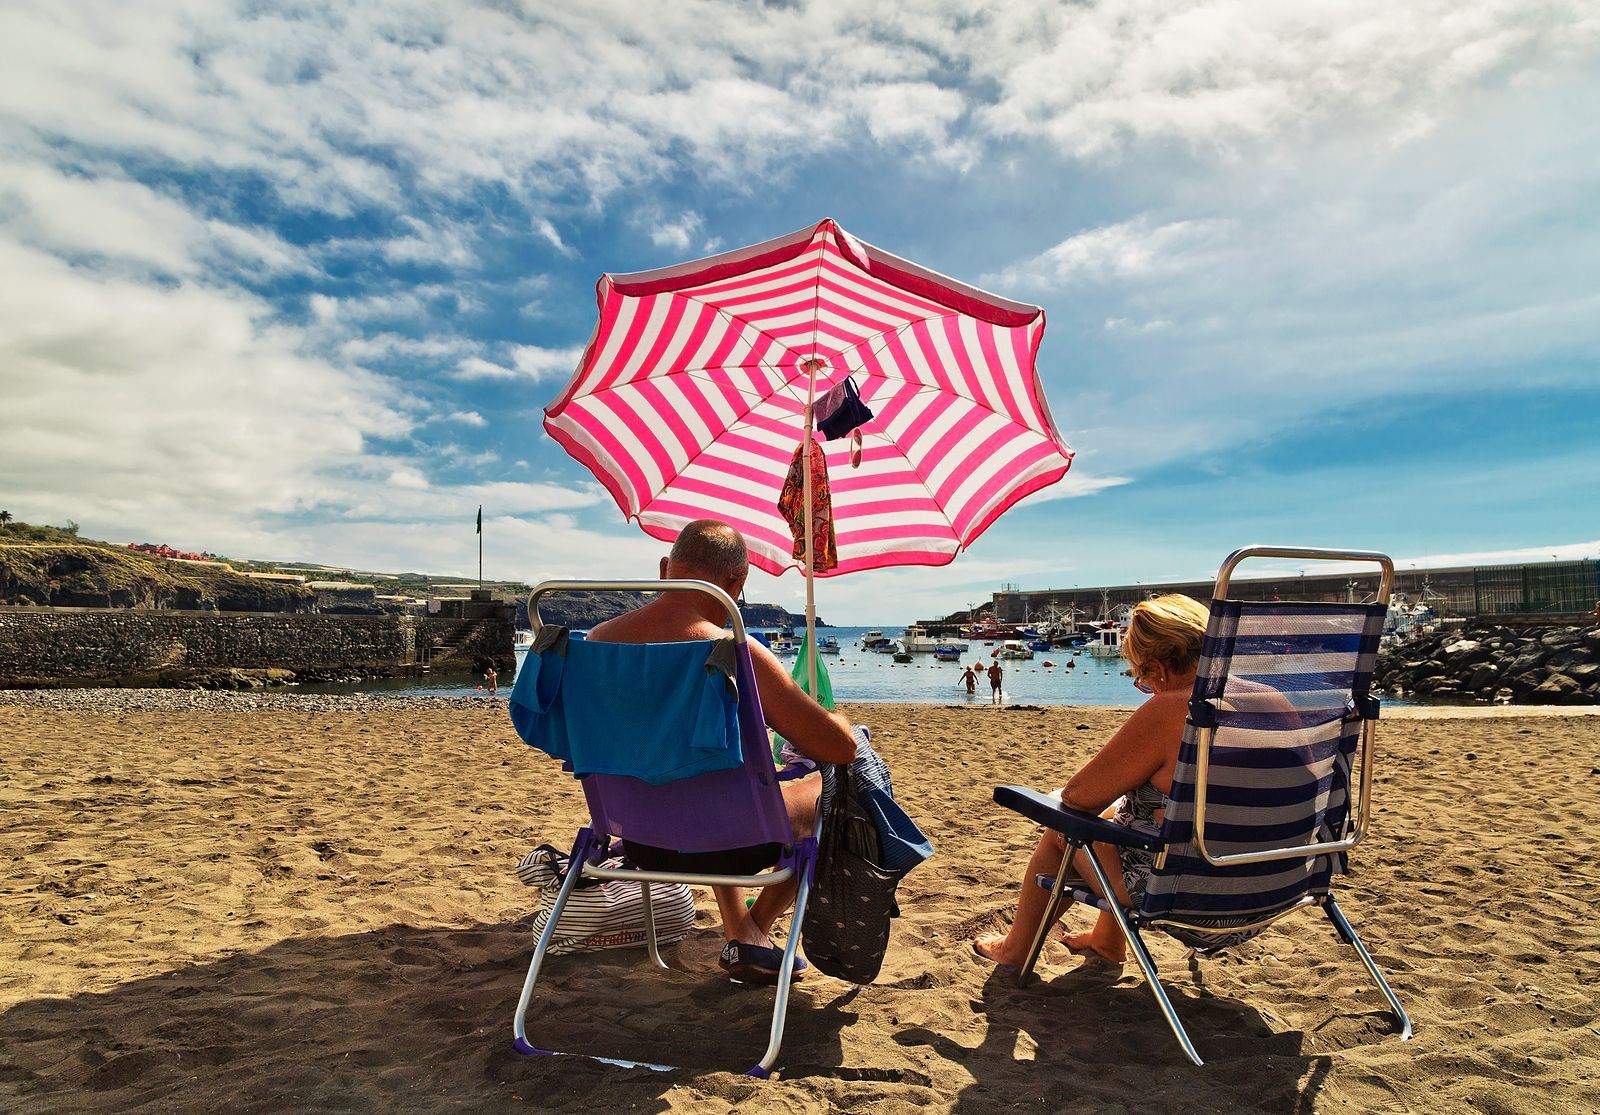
{"x":709,"y":550}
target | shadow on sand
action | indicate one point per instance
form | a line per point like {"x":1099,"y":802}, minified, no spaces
{"x":403,"y":1018}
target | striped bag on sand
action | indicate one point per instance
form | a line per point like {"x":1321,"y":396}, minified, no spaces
{"x":603,"y":914}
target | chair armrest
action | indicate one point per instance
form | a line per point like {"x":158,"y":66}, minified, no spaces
{"x":797,"y":769}
{"x":1077,"y":825}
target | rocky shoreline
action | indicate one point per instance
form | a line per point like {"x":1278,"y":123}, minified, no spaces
{"x":213,"y":700}
{"x":1536,"y":666}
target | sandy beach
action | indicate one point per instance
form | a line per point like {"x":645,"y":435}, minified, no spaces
{"x":275,"y":904}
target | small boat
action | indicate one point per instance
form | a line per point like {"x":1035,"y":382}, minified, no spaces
{"x":902,"y":656}
{"x":1038,"y":644}
{"x":827,"y":644}
{"x":948,"y":653}
{"x":1106,"y":642}
{"x":918,"y":641}
{"x":783,"y":642}
{"x":1015,"y":648}
{"x":522,"y":641}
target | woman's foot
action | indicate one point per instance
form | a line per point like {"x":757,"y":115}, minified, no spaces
{"x":1115,"y":951}
{"x":995,"y":947}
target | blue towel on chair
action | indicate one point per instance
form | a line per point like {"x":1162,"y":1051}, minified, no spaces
{"x":657,"y":711}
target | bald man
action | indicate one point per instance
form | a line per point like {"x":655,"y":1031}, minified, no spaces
{"x":711,"y":550}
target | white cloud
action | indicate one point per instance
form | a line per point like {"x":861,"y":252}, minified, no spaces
{"x":548,"y":233}
{"x":469,"y":418}
{"x":128,"y":224}
{"x":677,"y":235}
{"x":475,"y":367}
{"x":541,"y":364}
{"x":1128,"y":250}
{"x":126,"y":402}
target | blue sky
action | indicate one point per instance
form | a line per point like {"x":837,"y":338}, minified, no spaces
{"x":296,"y":281}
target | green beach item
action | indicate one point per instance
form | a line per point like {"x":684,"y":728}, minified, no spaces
{"x":802,"y":673}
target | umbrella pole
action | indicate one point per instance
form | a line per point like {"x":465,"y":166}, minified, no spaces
{"x":809,"y":647}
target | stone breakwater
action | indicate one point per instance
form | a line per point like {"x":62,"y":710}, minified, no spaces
{"x":195,"y":700}
{"x":46,"y":647}
{"x":1537,"y":666}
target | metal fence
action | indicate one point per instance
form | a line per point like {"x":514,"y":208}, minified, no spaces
{"x":1553,"y":587}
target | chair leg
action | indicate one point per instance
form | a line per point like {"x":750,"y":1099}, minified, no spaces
{"x":1052,"y":910}
{"x":1348,"y":934}
{"x":1146,"y":963}
{"x":650,"y":925}
{"x":780,"y":1003}
{"x":519,"y":1031}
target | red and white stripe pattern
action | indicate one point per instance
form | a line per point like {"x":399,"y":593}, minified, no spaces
{"x":690,"y":399}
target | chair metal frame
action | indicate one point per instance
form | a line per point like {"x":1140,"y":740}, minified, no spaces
{"x":1080,"y":830}
{"x":797,"y":861}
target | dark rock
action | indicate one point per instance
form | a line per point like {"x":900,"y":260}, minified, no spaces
{"x":1561,"y":637}
{"x":1557,"y":689}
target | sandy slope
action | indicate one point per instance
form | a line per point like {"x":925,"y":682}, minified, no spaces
{"x":299,"y":909}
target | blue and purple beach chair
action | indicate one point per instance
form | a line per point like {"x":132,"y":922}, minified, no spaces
{"x":670,"y":747}
{"x":1259,"y":819}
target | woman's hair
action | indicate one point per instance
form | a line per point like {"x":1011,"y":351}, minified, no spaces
{"x":1166,"y":630}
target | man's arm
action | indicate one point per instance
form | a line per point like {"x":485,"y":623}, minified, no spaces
{"x":822,"y":735}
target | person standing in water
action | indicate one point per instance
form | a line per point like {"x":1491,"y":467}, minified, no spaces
{"x":996,"y":672}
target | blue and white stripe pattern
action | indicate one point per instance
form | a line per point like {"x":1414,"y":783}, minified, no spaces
{"x":1278,"y":681}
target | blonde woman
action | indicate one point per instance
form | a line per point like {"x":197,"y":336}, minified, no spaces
{"x":1126,"y":781}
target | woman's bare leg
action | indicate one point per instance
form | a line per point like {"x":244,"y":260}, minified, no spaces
{"x":1011,"y":947}
{"x":1105,"y":939}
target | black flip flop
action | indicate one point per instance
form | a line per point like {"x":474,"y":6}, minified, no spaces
{"x":756,"y":964}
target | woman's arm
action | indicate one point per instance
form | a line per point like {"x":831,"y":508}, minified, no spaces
{"x":1145,"y":744}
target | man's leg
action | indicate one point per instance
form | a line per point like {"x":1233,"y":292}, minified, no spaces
{"x":801,"y":797}
{"x":754,"y":925}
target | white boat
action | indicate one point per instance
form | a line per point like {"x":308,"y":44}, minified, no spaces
{"x":1015,"y":648}
{"x":522,"y":641}
{"x":875,"y":640}
{"x":1105,"y":642}
{"x":827,"y":644}
{"x":917,"y":641}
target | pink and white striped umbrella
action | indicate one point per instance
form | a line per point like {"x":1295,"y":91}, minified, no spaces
{"x":691,"y":398}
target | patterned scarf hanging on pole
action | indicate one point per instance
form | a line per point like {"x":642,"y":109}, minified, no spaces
{"x":791,"y":505}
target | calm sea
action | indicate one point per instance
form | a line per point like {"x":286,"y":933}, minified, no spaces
{"x":861,"y":676}
{"x":868,"y":678}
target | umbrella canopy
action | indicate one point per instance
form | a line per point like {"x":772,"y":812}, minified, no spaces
{"x":692,"y":397}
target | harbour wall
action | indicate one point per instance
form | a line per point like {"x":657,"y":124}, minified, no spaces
{"x":42,"y":647}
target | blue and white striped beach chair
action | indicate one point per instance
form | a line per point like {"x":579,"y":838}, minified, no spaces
{"x":1259,"y":818}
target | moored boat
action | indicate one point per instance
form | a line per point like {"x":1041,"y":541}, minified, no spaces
{"x":1105,"y":642}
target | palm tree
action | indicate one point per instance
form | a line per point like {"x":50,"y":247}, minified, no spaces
{"x":5,"y":517}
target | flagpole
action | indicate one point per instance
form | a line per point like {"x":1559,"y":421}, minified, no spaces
{"x":480,"y":546}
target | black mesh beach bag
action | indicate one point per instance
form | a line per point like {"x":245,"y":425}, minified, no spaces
{"x":867,"y":845}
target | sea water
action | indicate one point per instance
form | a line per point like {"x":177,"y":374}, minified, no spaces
{"x":861,"y":676}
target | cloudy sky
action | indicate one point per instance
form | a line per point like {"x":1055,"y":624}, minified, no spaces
{"x":296,"y":280}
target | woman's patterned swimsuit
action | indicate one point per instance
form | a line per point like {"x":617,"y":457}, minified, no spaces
{"x":1138,"y":810}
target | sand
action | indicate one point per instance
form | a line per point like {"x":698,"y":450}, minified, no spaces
{"x":312,"y":908}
